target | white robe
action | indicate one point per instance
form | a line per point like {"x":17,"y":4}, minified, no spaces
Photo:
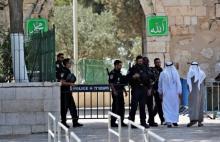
{"x":170,"y":87}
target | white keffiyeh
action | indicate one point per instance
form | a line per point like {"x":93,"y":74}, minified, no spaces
{"x":171,"y":76}
{"x":197,"y":73}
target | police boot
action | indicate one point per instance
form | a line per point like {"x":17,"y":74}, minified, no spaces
{"x":76,"y":123}
{"x":65,"y":124}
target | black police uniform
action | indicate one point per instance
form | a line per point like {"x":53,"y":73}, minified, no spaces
{"x":118,"y":105}
{"x":149,"y":97}
{"x":138,"y":92}
{"x":158,"y":101}
{"x":67,"y":101}
{"x":59,"y":69}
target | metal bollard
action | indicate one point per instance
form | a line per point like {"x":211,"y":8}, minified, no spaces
{"x":152,"y":137}
{"x":74,"y":137}
{"x":131,"y":123}
{"x":60,"y":127}
{"x":51,"y":132}
{"x":110,"y":130}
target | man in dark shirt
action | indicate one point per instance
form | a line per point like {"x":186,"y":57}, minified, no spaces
{"x":149,"y":96}
{"x":158,"y":107}
{"x":138,"y":80}
{"x":117,"y":83}
{"x":67,"y":101}
{"x":59,"y":65}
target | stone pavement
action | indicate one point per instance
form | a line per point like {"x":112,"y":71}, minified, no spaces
{"x":96,"y":131}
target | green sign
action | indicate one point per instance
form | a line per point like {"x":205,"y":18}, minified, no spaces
{"x":157,"y":26}
{"x":36,"y":25}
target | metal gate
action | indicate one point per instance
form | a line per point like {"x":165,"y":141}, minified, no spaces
{"x":94,"y":101}
{"x":212,"y":97}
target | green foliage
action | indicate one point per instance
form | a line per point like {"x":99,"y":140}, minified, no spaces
{"x":62,"y":2}
{"x":96,"y":33}
{"x":97,"y":5}
{"x":6,"y":71}
{"x":129,"y":15}
{"x":117,"y":26}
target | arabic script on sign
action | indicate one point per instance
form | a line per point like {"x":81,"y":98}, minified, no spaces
{"x":37,"y":27}
{"x":158,"y":28}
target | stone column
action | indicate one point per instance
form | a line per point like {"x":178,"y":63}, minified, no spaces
{"x":155,"y":47}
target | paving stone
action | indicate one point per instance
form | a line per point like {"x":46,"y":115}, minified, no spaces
{"x":21,"y":129}
{"x":11,"y":118}
{"x":2,"y":118}
{"x":38,"y":129}
{"x":5,"y":130}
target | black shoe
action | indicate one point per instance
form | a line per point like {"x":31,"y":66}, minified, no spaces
{"x":124,"y":125}
{"x":175,"y":124}
{"x":67,"y":126}
{"x":145,"y":125}
{"x":200,"y":124}
{"x":153,"y":124}
{"x":114,"y":125}
{"x":169,"y":126}
{"x":77,"y":125}
{"x":191,"y":123}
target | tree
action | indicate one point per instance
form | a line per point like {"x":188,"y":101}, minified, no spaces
{"x":17,"y":40}
{"x":97,"y":5}
{"x":16,"y":16}
{"x":127,"y":24}
{"x":62,"y":2}
{"x":96,"y":33}
{"x":6,"y":71}
{"x":129,"y":15}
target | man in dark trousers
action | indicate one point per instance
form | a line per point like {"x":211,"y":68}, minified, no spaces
{"x":59,"y":65}
{"x":117,"y":83}
{"x":67,"y":102}
{"x":158,"y":101}
{"x":137,"y":78}
{"x":149,"y":96}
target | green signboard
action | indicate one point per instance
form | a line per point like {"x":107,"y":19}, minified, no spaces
{"x":157,"y":26}
{"x":36,"y":25}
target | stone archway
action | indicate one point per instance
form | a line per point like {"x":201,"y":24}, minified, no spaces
{"x":155,"y":47}
{"x":193,"y":34}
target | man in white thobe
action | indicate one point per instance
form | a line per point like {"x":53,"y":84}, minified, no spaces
{"x":195,"y":81}
{"x":170,"y":89}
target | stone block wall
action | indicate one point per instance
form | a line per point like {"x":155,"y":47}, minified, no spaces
{"x":194,"y":34}
{"x":24,"y":107}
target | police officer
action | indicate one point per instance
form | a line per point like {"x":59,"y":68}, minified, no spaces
{"x":59,"y":65}
{"x":149,"y":96}
{"x":67,"y":101}
{"x":158,"y":107}
{"x":138,"y":80}
{"x":117,"y":83}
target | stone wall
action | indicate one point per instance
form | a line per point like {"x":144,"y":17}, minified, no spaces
{"x":24,"y":107}
{"x":194,"y":33}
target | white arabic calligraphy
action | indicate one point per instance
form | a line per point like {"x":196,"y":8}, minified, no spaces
{"x":158,"y":29}
{"x":37,"y":27}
